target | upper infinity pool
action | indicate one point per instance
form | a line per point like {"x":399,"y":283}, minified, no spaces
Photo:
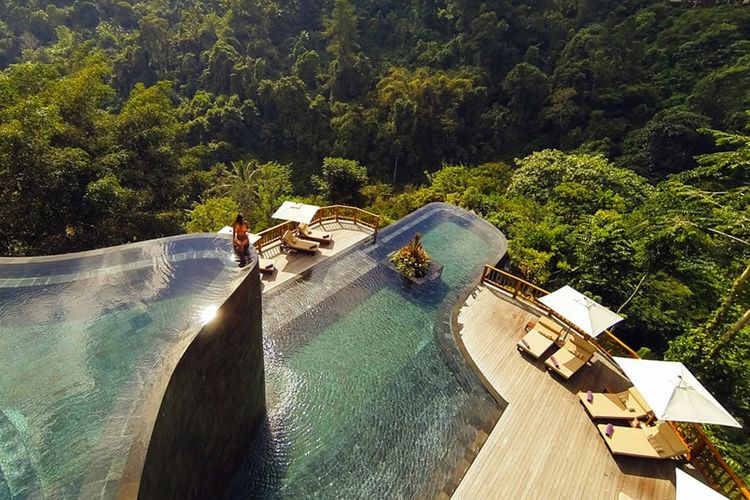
{"x":368,"y":395}
{"x":80,"y":337}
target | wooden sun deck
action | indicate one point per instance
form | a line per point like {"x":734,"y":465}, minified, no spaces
{"x":544,"y":445}
{"x":291,"y":265}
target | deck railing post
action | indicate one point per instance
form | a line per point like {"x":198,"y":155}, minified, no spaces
{"x":356,"y":215}
{"x":336,"y":213}
{"x":516,"y":289}
{"x":697,"y":447}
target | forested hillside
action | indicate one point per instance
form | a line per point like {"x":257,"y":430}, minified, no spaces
{"x":607,"y":138}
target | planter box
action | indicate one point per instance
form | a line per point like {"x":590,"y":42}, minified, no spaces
{"x":433,"y":273}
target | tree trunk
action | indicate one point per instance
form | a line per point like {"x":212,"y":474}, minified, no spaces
{"x":730,"y":334}
{"x":718,"y":316}
{"x":395,"y":169}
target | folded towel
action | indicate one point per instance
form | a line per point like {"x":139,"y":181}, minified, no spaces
{"x":609,"y":430}
{"x":589,"y":396}
{"x":523,"y":341}
{"x":554,"y":361}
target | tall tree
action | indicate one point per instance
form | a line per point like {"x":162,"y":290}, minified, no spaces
{"x":341,"y":31}
{"x":341,"y":180}
{"x":257,"y":189}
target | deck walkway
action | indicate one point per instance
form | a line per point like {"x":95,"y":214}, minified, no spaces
{"x":544,"y":445}
{"x":291,"y":265}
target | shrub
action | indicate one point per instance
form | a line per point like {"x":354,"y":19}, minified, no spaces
{"x":412,"y":260}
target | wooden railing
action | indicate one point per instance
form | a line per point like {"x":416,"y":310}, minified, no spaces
{"x":514,"y":285}
{"x":274,"y":234}
{"x":707,"y":459}
{"x":529,"y":292}
{"x":353,"y":214}
{"x":703,"y":454}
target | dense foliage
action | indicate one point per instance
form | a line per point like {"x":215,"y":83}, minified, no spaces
{"x":138,"y":110}
{"x":580,"y":128}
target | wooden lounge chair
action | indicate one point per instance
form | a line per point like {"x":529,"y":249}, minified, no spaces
{"x":540,"y":338}
{"x":659,"y":441}
{"x":306,"y":233}
{"x":291,"y":242}
{"x":567,"y":360}
{"x":625,"y":405}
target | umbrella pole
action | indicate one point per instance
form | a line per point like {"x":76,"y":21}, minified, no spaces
{"x":567,"y":331}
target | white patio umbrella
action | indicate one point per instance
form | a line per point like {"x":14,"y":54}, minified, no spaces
{"x":673,"y":393}
{"x":588,"y":315}
{"x":297,"y":212}
{"x":689,"y":488}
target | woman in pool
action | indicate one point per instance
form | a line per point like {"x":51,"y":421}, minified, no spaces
{"x":239,"y":236}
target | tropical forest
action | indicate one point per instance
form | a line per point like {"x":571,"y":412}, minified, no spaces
{"x":608,"y":139}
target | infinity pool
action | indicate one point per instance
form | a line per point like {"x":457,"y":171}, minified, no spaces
{"x":368,"y":395}
{"x":80,"y":337}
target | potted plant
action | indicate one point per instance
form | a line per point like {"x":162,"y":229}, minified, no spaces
{"x":412,"y":260}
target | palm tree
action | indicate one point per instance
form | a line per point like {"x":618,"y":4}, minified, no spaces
{"x":237,"y":183}
{"x":257,"y":188}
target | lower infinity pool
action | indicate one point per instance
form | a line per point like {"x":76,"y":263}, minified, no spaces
{"x":368,"y":395}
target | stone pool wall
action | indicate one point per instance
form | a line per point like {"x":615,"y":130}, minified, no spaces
{"x":213,"y":403}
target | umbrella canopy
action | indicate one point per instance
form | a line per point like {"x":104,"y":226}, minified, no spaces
{"x":689,"y":488}
{"x":673,"y":393}
{"x":253,"y":237}
{"x":588,"y":315}
{"x":297,"y":212}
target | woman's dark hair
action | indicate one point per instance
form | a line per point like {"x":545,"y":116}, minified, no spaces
{"x":239,"y":219}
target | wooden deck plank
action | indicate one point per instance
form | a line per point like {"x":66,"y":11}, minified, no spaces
{"x":544,"y":445}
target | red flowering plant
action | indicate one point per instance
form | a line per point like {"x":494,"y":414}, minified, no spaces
{"x":412,"y":260}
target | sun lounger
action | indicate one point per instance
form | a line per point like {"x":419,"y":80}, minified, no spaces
{"x":659,"y":441}
{"x":319,"y":236}
{"x":567,"y":360}
{"x":293,"y":243}
{"x":541,"y":337}
{"x":625,"y":405}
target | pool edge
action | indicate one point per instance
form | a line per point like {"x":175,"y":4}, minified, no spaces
{"x":456,"y":328}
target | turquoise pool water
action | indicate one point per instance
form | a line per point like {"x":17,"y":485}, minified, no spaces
{"x":80,"y":337}
{"x":368,"y":395}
